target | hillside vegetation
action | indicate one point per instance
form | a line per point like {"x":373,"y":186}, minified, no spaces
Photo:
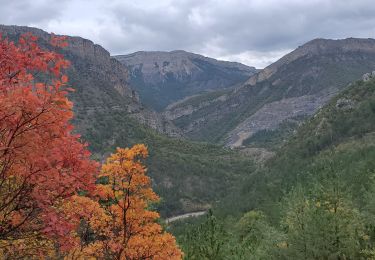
{"x":188,"y":176}
{"x":340,"y":137}
{"x":314,"y":199}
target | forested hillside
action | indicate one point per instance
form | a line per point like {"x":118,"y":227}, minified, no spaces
{"x":313,"y":200}
{"x":189,"y":176}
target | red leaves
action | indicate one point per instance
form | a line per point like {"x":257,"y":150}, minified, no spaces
{"x":42,"y":163}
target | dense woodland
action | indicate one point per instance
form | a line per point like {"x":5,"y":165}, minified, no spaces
{"x":313,"y":200}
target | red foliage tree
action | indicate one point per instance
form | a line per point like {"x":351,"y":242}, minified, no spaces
{"x":42,"y":163}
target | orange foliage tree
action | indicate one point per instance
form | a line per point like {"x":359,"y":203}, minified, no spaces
{"x":124,"y":228}
{"x":42,"y":164}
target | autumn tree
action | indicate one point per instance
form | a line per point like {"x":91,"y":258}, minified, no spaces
{"x":123,"y":227}
{"x":42,"y":163}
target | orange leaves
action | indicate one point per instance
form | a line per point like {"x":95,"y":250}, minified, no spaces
{"x":128,"y":230}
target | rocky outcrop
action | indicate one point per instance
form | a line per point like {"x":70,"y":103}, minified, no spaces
{"x":165,"y":77}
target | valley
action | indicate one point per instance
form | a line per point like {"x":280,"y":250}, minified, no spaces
{"x":246,"y":161}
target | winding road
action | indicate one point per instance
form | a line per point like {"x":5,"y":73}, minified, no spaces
{"x":183,"y":216}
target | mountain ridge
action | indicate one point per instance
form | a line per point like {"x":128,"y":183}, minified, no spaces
{"x":163,"y":77}
{"x":314,"y":71}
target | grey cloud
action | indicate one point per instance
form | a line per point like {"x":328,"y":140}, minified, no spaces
{"x":243,"y":29}
{"x":29,"y":12}
{"x":238,"y":26}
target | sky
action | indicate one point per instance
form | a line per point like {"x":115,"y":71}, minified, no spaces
{"x":253,"y":32}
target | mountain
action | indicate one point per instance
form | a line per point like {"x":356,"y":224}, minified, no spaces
{"x":315,"y":199}
{"x":188,"y":176}
{"x":162,"y":78}
{"x":100,"y":82}
{"x":292,"y":88}
{"x":337,"y":142}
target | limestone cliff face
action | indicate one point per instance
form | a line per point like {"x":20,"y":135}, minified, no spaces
{"x":100,"y":81}
{"x":165,"y":77}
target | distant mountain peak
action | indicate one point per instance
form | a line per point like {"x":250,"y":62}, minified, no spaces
{"x":163,"y":77}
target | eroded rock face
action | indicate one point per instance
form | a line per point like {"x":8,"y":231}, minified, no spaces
{"x":271,"y":115}
{"x":165,"y":77}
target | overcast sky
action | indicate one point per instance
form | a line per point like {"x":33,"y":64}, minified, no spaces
{"x":254,"y":32}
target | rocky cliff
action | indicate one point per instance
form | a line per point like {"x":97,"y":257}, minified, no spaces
{"x":165,"y":77}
